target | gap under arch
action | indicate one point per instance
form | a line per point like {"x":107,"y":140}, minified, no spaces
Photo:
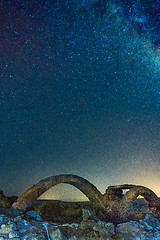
{"x":64,"y":192}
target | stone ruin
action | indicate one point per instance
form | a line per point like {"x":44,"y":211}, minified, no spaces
{"x":26,"y":224}
{"x":114,"y":198}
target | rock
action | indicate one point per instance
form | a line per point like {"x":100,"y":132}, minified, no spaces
{"x":1,"y":194}
{"x":73,"y":238}
{"x":31,"y":228}
{"x":86,"y":226}
{"x":21,"y":224}
{"x":3,"y":200}
{"x":132,"y":230}
{"x":88,"y":215}
{"x":18,"y":228}
{"x":73,"y":225}
{"x":13,"y":234}
{"x":6,"y":202}
{"x":34,"y":215}
{"x":103,"y":229}
{"x":139,"y":205}
{"x":34,"y":236}
{"x":86,"y":229}
{"x":150,"y":223}
{"x":17,"y":219}
{"x":113,"y":194}
{"x":56,"y":235}
{"x":6,"y":229}
{"x":35,"y":231}
{"x":3,"y":219}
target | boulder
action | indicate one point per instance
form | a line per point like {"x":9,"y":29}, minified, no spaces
{"x":86,"y":229}
{"x":88,"y":215}
{"x":132,"y":230}
{"x":150,"y":223}
{"x":34,"y":215}
{"x":33,"y":236}
{"x":5,"y":229}
{"x":73,"y":238}
{"x":103,"y":229}
{"x":14,"y":235}
{"x":56,"y":235}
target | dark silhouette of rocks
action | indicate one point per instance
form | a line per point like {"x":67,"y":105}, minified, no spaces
{"x":6,"y":202}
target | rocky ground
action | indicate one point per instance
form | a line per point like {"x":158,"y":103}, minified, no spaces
{"x":56,"y":220}
{"x":30,"y":226}
{"x":69,"y":212}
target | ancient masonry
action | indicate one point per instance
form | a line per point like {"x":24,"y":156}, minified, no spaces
{"x":113,"y":194}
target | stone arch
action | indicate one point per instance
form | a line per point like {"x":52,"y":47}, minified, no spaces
{"x":30,"y":196}
{"x":145,"y":192}
{"x":115,"y":193}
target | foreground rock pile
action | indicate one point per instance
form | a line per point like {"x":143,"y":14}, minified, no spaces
{"x":29,"y":226}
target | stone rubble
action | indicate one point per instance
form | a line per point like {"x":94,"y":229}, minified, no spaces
{"x":30,"y":226}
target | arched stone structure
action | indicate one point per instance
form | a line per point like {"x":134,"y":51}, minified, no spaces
{"x":114,"y":194}
{"x":30,"y":196}
{"x":145,"y":192}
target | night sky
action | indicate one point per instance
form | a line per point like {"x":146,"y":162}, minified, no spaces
{"x":79,"y":92}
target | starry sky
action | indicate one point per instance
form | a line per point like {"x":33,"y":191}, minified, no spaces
{"x":79,"y":92}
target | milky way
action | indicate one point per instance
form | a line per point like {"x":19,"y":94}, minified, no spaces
{"x":79,"y":92}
